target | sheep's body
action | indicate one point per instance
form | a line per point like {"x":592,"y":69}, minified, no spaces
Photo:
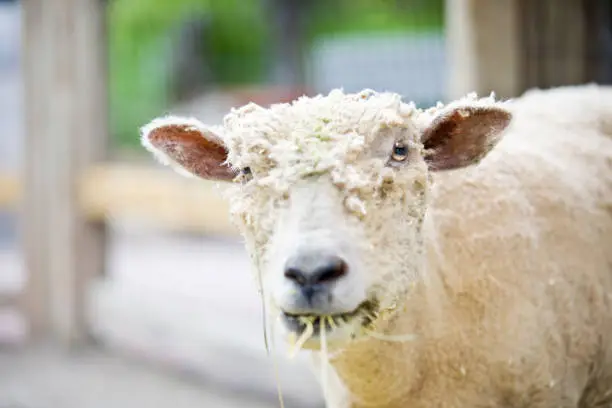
{"x":502,"y":270}
{"x":515,"y":308}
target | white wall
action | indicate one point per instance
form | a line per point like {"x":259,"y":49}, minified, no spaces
{"x":413,"y":65}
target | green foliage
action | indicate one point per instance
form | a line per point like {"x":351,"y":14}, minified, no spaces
{"x":139,"y":52}
{"x":240,"y":29}
{"x":342,"y":17}
{"x":237,"y":47}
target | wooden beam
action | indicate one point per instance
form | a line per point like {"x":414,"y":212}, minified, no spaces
{"x":65,"y":115}
{"x":554,"y":42}
{"x":155,"y":197}
{"x":483,"y":47}
{"x":509,"y":46}
{"x":9,"y":191}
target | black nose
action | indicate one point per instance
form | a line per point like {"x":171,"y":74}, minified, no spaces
{"x":308,"y":271}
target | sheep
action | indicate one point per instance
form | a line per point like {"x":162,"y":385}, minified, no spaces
{"x":456,"y":256}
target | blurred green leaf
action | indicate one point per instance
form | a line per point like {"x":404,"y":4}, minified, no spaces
{"x":139,"y":41}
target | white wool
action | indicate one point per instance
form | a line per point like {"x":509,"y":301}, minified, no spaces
{"x":309,"y":136}
{"x":501,"y":271}
{"x":313,"y":136}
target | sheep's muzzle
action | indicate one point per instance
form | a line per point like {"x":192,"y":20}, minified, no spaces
{"x":366,"y":313}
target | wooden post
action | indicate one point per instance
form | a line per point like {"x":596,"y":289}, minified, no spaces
{"x":554,"y":40}
{"x":509,"y":46}
{"x":64,"y":62}
{"x":482,"y":39}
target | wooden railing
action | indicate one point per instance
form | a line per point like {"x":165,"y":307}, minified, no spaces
{"x":9,"y":190}
{"x":156,"y":197}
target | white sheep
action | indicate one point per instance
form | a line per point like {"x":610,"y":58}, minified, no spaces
{"x":459,"y":256}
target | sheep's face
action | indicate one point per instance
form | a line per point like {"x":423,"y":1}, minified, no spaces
{"x":331,"y":194}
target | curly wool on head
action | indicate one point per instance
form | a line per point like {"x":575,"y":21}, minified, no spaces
{"x":314,"y":135}
{"x":323,"y":134}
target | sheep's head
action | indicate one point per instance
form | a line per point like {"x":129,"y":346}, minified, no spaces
{"x":331,"y":193}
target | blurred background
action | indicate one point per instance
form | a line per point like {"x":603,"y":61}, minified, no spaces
{"x":123,"y":284}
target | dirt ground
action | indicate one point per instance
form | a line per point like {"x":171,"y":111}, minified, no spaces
{"x":48,"y":378}
{"x":180,"y":321}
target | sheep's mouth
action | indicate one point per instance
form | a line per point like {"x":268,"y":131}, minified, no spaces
{"x":364,"y":314}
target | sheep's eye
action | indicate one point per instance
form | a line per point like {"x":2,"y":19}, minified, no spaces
{"x":245,"y":173}
{"x":400,"y":152}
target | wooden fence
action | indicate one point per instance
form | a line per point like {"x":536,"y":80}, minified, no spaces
{"x":119,"y":192}
{"x":142,"y":194}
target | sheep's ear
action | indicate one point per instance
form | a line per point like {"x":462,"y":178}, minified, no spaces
{"x":188,"y":146}
{"x":463,"y":136}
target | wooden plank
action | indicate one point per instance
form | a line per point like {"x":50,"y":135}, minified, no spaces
{"x":483,"y":48}
{"x":509,"y":46}
{"x":65,"y":115}
{"x":554,"y":43}
{"x":156,"y":197}
{"x":10,"y":190}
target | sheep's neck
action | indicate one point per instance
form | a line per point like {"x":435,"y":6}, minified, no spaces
{"x":378,"y":373}
{"x":384,"y":373}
